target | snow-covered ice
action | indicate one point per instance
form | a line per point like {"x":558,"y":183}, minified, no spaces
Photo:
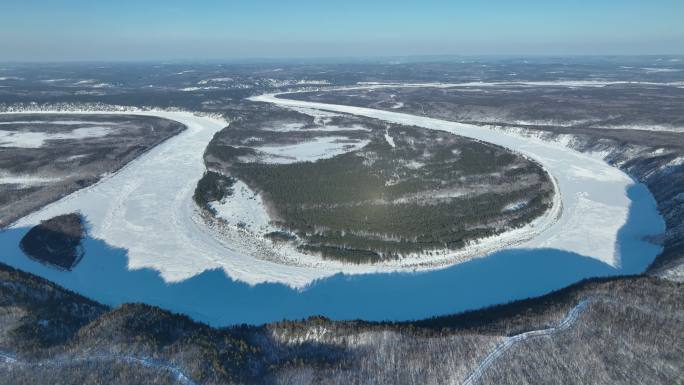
{"x":52,"y":122}
{"x":26,"y":180}
{"x":244,"y":209}
{"x":389,"y":139}
{"x":290,"y":127}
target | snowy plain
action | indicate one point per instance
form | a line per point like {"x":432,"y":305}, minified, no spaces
{"x":25,"y":180}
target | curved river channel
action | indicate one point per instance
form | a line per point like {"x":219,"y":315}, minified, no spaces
{"x":145,"y":246}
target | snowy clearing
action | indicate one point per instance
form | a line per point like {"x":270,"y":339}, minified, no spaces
{"x":192,"y":89}
{"x":26,"y":180}
{"x":245,"y":210}
{"x":285,"y":127}
{"x":290,"y":127}
{"x":27,"y":139}
{"x":310,"y":151}
{"x":52,"y":122}
{"x":333,"y":127}
{"x":216,"y":80}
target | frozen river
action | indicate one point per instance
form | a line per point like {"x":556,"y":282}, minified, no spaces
{"x":146,"y":245}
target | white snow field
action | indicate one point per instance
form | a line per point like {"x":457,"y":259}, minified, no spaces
{"x":309,"y":151}
{"x":27,"y":139}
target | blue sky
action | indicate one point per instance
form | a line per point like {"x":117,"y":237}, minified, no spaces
{"x":55,"y":30}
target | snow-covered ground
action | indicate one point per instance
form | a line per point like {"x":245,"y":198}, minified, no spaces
{"x":309,"y":151}
{"x":289,"y":127}
{"x":285,"y":127}
{"x":244,"y":209}
{"x":26,"y":180}
{"x":215,"y":80}
{"x":389,"y":139}
{"x":29,"y":139}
